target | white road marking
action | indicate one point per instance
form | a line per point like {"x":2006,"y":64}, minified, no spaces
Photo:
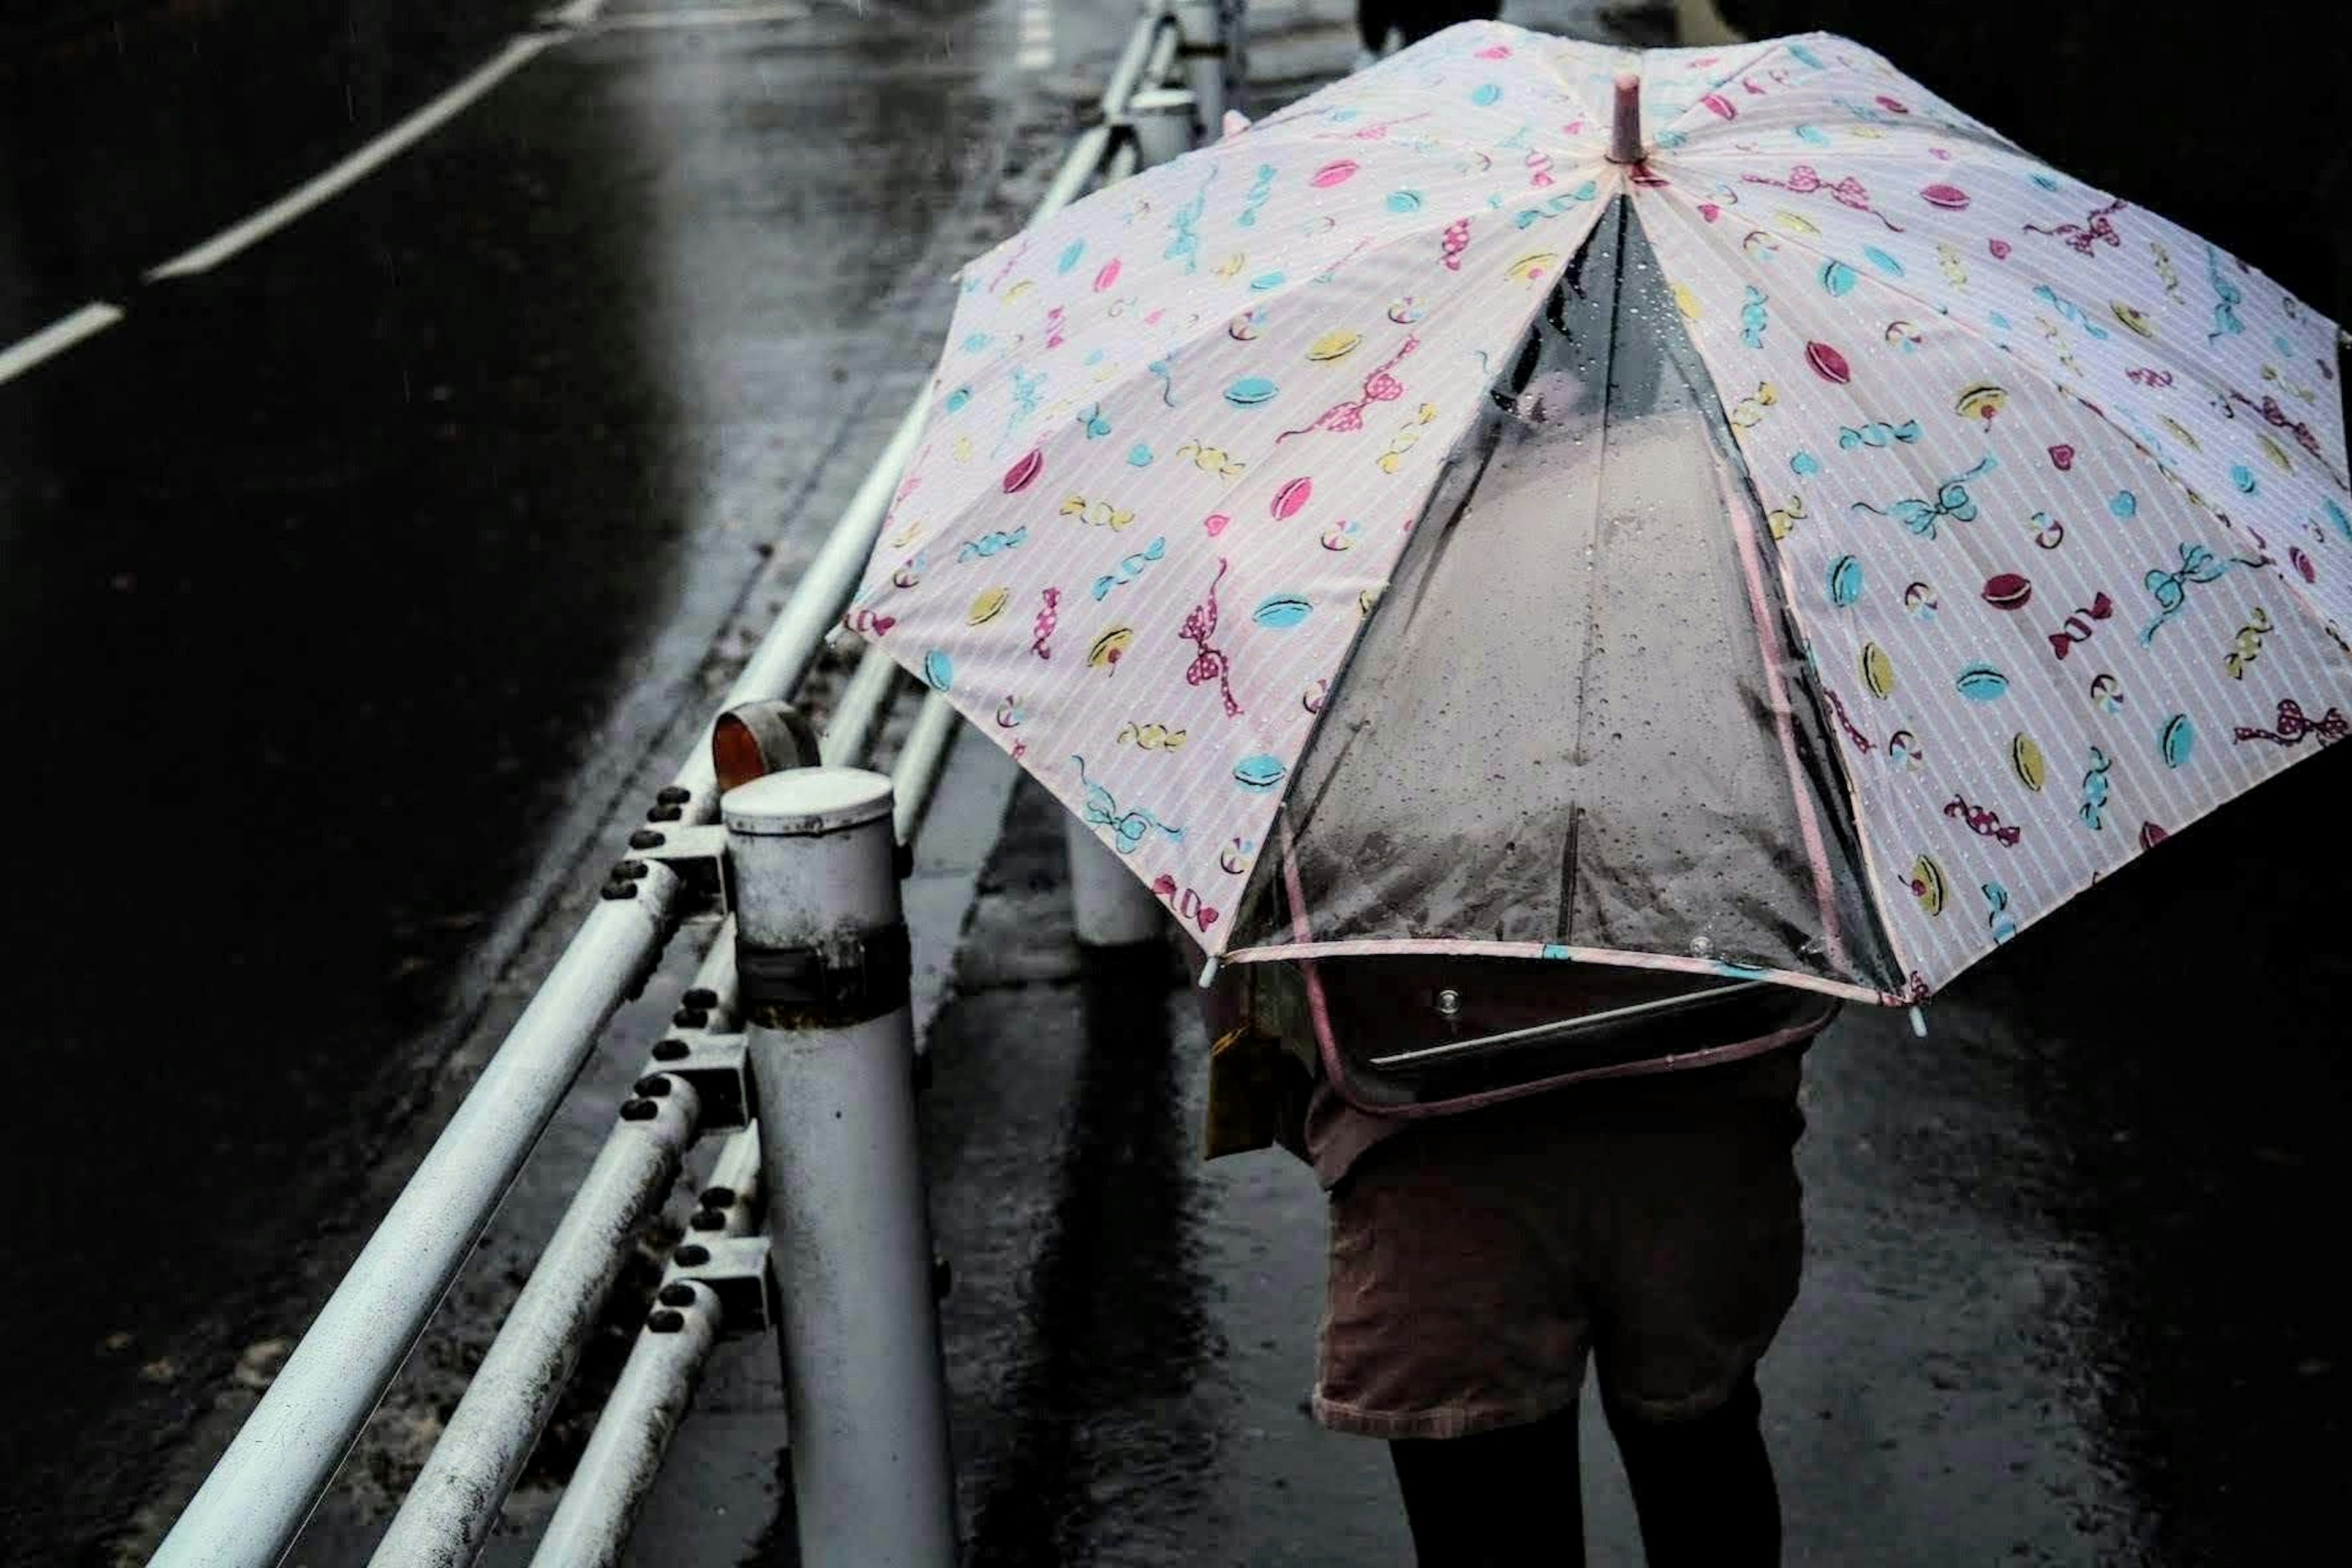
{"x":1036,"y":36}
{"x":56,"y":338}
{"x":717,"y":16}
{"x":360,"y":165}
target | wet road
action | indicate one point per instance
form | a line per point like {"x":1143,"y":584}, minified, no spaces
{"x":355,"y":577}
{"x":342,"y":585}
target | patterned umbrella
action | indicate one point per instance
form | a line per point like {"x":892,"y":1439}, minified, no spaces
{"x":1812,"y":542}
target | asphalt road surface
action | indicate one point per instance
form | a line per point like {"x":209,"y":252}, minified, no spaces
{"x":360,"y":542}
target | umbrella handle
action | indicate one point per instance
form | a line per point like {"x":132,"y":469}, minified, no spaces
{"x":1625,"y":127}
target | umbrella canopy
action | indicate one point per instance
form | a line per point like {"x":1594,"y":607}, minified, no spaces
{"x":1880,"y":537}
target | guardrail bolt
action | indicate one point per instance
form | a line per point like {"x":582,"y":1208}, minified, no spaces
{"x":617,"y":891}
{"x":655,"y":1086}
{"x":646,"y":838}
{"x":719,"y":1197}
{"x":700,"y":997}
{"x":639,"y":1110}
{"x":673,"y":794}
{"x":693,"y":1255}
{"x":665,"y":1322}
{"x":676,"y":1296}
{"x":690,"y":1018}
{"x":671,"y":1050}
{"x":629,"y":871}
{"x":707,"y":1219}
{"x":663,"y":814}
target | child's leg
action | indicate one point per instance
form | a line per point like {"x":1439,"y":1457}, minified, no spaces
{"x":1508,"y":1495}
{"x":1703,"y":1486}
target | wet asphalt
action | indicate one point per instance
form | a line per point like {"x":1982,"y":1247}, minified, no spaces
{"x":345,"y":585}
{"x":359,"y":580}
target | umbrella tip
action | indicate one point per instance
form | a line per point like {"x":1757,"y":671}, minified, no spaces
{"x":1625,"y":128}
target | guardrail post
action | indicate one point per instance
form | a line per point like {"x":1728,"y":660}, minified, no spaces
{"x":1109,"y":905}
{"x":1212,"y":31}
{"x":822,"y":972}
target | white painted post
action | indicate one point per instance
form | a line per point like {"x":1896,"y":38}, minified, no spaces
{"x":1204,"y":25}
{"x":822,"y":972}
{"x":1111,"y":905}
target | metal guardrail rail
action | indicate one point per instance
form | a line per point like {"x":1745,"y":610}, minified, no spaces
{"x":256,"y":1499}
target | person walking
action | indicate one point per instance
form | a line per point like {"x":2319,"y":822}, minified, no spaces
{"x":1642,"y":1217}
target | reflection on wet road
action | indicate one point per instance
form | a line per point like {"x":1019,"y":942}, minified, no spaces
{"x":344,"y":581}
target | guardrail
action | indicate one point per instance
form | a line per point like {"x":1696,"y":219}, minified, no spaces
{"x":702,"y":1079}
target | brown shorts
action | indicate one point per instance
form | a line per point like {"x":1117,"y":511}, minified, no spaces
{"x":1478,"y":1259}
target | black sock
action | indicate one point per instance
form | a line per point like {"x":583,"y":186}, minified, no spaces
{"x":1703,"y":1488}
{"x":1507,"y":1497}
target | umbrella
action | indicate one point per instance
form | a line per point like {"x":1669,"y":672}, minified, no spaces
{"x":1809,"y":541}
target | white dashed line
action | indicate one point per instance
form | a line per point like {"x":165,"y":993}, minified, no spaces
{"x":1036,"y":36}
{"x":56,"y":338}
{"x":359,"y":165}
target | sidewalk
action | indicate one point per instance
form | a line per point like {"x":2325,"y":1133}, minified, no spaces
{"x":1130,"y":1335}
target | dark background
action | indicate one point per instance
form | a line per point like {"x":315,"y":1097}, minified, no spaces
{"x":2228,"y":119}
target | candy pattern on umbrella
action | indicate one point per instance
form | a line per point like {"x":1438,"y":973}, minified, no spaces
{"x":1179,"y":433}
{"x":2057,"y":489}
{"x":2062,"y":481}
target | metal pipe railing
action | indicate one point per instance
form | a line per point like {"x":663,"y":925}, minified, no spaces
{"x":851,"y":724}
{"x":917,"y":771}
{"x":1156,"y":27}
{"x":457,"y":1499}
{"x":623,"y":1459}
{"x":617,"y":1470}
{"x":255,"y":1500}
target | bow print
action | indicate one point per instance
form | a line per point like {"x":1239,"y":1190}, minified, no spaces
{"x":2292,"y":727}
{"x":2227,"y":298}
{"x":1127,"y":827}
{"x":1210,"y":663}
{"x":1847,"y":193}
{"x":2170,"y":589}
{"x":1260,"y":188}
{"x":2089,"y":232}
{"x":1380,"y":386}
{"x":1952,"y":499}
{"x":1185,"y":240}
{"x":1878,"y":432}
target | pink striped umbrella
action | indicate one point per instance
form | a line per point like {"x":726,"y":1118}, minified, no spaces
{"x":1808,"y":538}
